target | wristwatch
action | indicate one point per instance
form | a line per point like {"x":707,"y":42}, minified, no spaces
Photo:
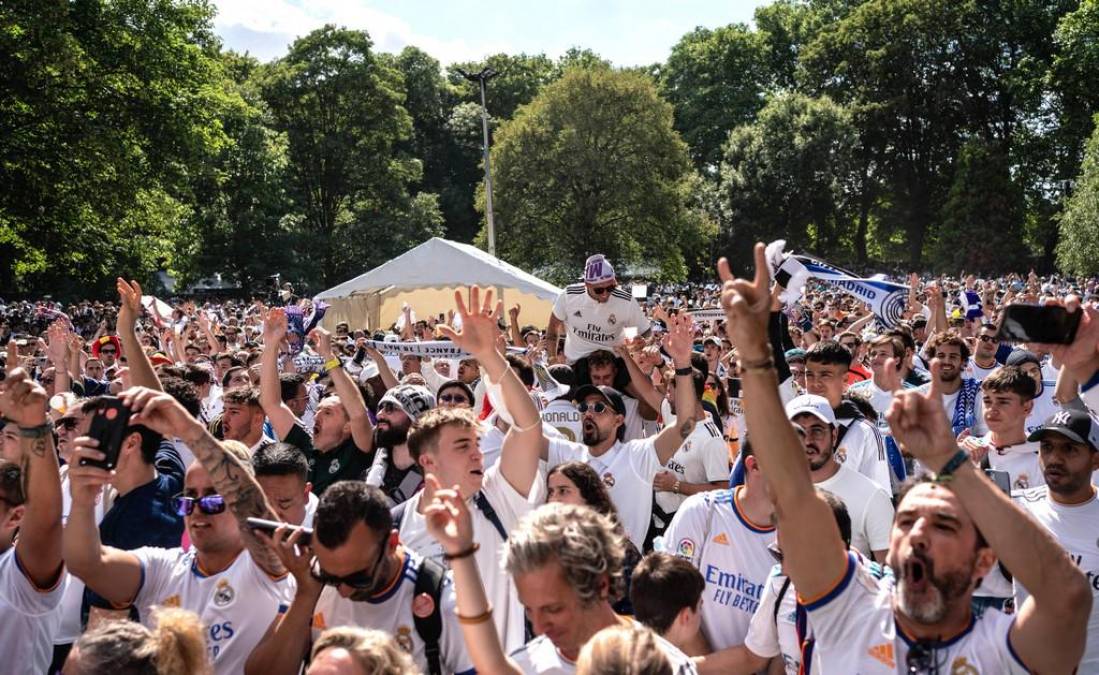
{"x":40,"y":431}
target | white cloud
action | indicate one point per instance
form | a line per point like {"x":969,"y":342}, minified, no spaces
{"x":283,"y":20}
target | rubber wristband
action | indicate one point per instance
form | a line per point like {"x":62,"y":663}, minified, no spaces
{"x":687,"y":370}
{"x":463,"y":554}
{"x":40,"y":431}
{"x":474,"y":620}
{"x":763,"y":365}
{"x":332,"y":364}
{"x":946,"y":474}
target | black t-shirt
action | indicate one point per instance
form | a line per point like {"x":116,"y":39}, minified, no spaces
{"x":344,"y":462}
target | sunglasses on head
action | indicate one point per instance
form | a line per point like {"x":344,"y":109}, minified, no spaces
{"x":364,"y":579}
{"x":210,"y":505}
{"x":598,"y":407}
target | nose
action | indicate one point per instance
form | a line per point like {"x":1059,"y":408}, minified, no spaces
{"x":918,"y":534}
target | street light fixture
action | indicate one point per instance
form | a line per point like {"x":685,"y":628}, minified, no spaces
{"x":482,"y":79}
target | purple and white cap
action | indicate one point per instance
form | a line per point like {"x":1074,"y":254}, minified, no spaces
{"x":598,"y":269}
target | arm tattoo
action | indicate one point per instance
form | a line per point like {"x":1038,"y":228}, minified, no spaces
{"x":38,"y":446}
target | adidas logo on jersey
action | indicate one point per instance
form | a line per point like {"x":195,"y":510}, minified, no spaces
{"x":883,"y":653}
{"x":577,"y":314}
{"x":721,"y":538}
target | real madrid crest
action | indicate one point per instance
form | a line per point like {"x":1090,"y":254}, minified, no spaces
{"x":334,"y":466}
{"x":404,"y":638}
{"x":612,"y":319}
{"x":224,"y":593}
{"x":608,"y":479}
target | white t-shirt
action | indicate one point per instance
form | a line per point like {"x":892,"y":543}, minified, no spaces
{"x":1044,"y":407}
{"x":73,"y":596}
{"x":236,"y":606}
{"x":29,"y":618}
{"x":869,"y":505}
{"x":590,"y":325}
{"x":562,"y":415}
{"x":856,"y":632}
{"x":634,"y":423}
{"x":731,"y":552}
{"x":863,"y":450}
{"x":627,"y":469}
{"x":879,"y":398}
{"x":541,"y":657}
{"x":1019,"y":461}
{"x":510,"y":507}
{"x":392,"y":614}
{"x":1076,"y":528}
{"x":310,"y":510}
{"x":703,"y":458}
{"x":976,"y":372}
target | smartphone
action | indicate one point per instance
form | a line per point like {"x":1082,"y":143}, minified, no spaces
{"x":732,"y":387}
{"x":1031,"y":323}
{"x":1002,"y":479}
{"x":109,"y":426}
{"x":269,"y":526}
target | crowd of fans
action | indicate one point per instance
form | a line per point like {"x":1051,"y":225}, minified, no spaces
{"x":663,"y":479}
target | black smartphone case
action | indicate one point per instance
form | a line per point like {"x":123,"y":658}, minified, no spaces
{"x":109,"y":427}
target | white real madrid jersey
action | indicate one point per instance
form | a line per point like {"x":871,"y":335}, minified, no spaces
{"x":627,"y":469}
{"x":563,"y":416}
{"x":703,"y":458}
{"x":856,"y":632}
{"x":392,"y":613}
{"x":1076,"y":528}
{"x":730,"y":551}
{"x":29,"y":618}
{"x":592,"y":325}
{"x":236,"y":606}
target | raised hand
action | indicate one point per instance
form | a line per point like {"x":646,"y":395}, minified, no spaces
{"x":919,"y":423}
{"x":447,"y":516}
{"x":129,"y":304}
{"x":58,"y":346}
{"x":891,"y":377}
{"x":480,"y":323}
{"x":22,"y":400}
{"x":86,"y":482}
{"x":680,"y":339}
{"x":160,"y":412}
{"x":274,"y":327}
{"x":747,"y":306}
{"x":1082,"y":356}
{"x":324,"y":341}
{"x":295,"y":557}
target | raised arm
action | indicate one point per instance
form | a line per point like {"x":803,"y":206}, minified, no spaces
{"x":270,"y":391}
{"x":24,"y":403}
{"x":814,"y":552}
{"x":362,"y":431}
{"x":641,"y":383}
{"x":678,"y":345}
{"x":384,"y":371}
{"x":513,"y":327}
{"x":1050,"y":629}
{"x":58,"y":351}
{"x":141,"y":369}
{"x":524,"y":441}
{"x":163,"y":414}
{"x":554,"y":329}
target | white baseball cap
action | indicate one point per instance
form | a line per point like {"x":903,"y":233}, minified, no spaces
{"x":810,"y":404}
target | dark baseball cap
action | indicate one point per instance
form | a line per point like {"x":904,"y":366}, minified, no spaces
{"x":1021,"y":356}
{"x":1074,"y":424}
{"x":609,"y":394}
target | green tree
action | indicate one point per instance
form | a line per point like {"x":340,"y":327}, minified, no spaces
{"x":108,"y":110}
{"x":985,"y":205}
{"x":716,"y":79}
{"x":1078,"y":250}
{"x":520,"y":78}
{"x":790,"y":175}
{"x":341,"y":109}
{"x":593,"y":164}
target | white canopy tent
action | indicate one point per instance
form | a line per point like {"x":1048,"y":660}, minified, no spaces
{"x":426,"y":278}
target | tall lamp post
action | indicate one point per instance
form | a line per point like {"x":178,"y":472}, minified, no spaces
{"x":482,"y":79}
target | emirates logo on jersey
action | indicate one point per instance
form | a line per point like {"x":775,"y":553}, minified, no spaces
{"x":608,"y":479}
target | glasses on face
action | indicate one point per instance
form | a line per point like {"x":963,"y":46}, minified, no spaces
{"x":363,"y":580}
{"x":602,"y":291}
{"x":598,"y":407}
{"x":210,"y":504}
{"x":453,"y":398}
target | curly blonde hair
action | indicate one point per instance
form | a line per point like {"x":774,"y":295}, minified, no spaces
{"x":374,"y":650}
{"x":177,"y":646}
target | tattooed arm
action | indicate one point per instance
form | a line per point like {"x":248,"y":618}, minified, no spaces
{"x":678,"y":345}
{"x":23,"y":403}
{"x":231,"y":476}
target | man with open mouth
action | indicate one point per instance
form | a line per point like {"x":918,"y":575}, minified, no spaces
{"x":948,"y":532}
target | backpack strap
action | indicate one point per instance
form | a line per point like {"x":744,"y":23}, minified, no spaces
{"x":398,"y":514}
{"x":483,"y":505}
{"x":429,"y":579}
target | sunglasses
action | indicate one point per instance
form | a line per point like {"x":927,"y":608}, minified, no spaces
{"x":363,"y":580}
{"x":598,"y":407}
{"x":210,"y":505}
{"x":453,"y":398}
{"x":67,"y":423}
{"x":603,"y":291}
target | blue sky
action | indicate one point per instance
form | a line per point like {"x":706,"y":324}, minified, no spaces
{"x":628,"y":32}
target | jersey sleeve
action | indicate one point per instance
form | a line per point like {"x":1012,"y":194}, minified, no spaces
{"x":643,"y":457}
{"x":561,"y":451}
{"x":879,"y":520}
{"x":156,"y":570}
{"x":506,"y":500}
{"x":687,"y":532}
{"x":21,"y":593}
{"x":375,"y":475}
{"x":559,"y":309}
{"x":839,"y":615}
{"x":715,"y":459}
{"x":762,"y":638}
{"x":864,"y":442}
{"x":639,"y":319}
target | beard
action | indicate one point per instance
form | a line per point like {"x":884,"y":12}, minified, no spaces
{"x":391,"y":436}
{"x":823,"y":456}
{"x":592,"y":434}
{"x":929,"y":604}
{"x":950,"y":375}
{"x":1059,"y":481}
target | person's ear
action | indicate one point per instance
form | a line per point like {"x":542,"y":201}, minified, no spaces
{"x":426,"y":462}
{"x":14,"y":517}
{"x":1028,"y":406}
{"x":986,"y":558}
